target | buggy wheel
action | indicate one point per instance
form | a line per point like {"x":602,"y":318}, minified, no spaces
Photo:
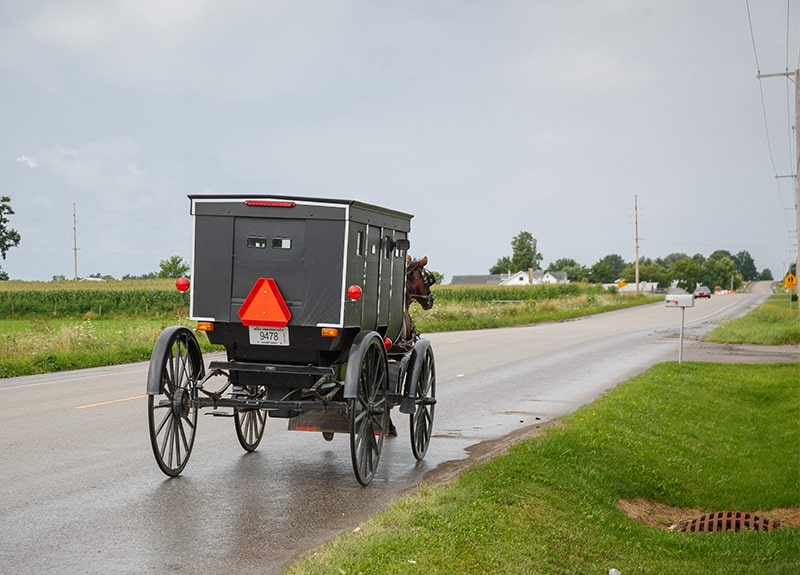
{"x":369,"y":410}
{"x":421,"y":420}
{"x":175,"y":368}
{"x":250,"y":423}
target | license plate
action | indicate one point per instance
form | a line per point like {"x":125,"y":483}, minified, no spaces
{"x":269,"y":335}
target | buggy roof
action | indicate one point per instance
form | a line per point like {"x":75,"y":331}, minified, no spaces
{"x":301,"y":199}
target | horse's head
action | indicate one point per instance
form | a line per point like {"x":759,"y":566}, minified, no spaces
{"x":419,"y":282}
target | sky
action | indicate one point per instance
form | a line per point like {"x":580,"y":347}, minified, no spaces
{"x":483,"y":118}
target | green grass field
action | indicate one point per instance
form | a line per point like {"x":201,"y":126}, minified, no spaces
{"x":702,"y":436}
{"x":773,"y":323}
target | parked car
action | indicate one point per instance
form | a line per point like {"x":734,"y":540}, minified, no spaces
{"x":702,"y":291}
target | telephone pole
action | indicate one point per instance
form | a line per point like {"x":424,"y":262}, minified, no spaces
{"x":636,"y":225}
{"x":796,"y":75}
{"x":75,"y":240}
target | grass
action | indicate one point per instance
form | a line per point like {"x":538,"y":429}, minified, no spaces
{"x":110,"y":334}
{"x":772,"y":323}
{"x":706,"y":436}
{"x":699,"y":436}
{"x":465,"y":314}
{"x":42,"y":345}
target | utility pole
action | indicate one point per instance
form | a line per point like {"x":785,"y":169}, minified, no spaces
{"x":796,"y":75}
{"x":75,"y":240}
{"x":636,"y":225}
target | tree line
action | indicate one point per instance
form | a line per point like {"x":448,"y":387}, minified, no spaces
{"x":720,"y":269}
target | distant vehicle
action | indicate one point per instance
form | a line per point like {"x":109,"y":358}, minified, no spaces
{"x":702,"y":291}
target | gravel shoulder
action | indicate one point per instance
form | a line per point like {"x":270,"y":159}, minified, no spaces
{"x":735,"y":353}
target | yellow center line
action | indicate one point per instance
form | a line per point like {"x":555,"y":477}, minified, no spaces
{"x":110,"y":402}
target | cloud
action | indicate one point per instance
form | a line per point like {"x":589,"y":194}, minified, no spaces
{"x":28,"y":161}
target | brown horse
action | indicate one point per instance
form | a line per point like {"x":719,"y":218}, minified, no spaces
{"x":418,"y":289}
{"x":418,"y":283}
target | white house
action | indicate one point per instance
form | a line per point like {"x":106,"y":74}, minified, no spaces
{"x":536,"y":277}
{"x":519,"y":278}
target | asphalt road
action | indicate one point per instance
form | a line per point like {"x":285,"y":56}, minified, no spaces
{"x":81,"y":492}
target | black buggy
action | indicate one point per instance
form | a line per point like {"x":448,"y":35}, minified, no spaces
{"x":310,"y":299}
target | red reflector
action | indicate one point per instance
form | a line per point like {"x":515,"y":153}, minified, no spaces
{"x":387,"y":343}
{"x":265,"y":305}
{"x":354,"y":292}
{"x":270,"y":203}
{"x":182,"y":284}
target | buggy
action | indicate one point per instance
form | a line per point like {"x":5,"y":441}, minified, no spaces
{"x":309,"y":298}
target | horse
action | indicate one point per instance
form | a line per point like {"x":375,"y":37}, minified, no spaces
{"x":418,"y":289}
{"x":418,"y":283}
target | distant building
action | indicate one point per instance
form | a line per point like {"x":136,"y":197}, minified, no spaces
{"x":493,"y":279}
{"x":555,"y":278}
{"x":520,"y":278}
{"x":644,"y":287}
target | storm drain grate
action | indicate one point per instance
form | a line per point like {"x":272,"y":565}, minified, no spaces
{"x":729,"y":521}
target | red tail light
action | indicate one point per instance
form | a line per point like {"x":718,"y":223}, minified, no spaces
{"x":270,"y":203}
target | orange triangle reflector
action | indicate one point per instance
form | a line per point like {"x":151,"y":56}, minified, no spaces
{"x":265,"y":306}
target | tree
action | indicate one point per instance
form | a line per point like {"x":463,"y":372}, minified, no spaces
{"x":8,"y":238}
{"x":687,"y":272}
{"x":602,"y":273}
{"x":524,"y":255}
{"x":720,"y":254}
{"x":173,"y":267}
{"x":671,"y":259}
{"x":649,"y":271}
{"x":607,"y":270}
{"x":575,"y":271}
{"x":745,"y":265}
{"x":720,"y":271}
{"x":502,"y":266}
{"x":147,"y":276}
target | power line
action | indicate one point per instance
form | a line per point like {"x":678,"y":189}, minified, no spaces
{"x":763,"y":102}
{"x":794,"y":129}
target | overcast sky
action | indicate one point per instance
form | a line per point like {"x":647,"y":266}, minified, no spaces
{"x":481,"y":118}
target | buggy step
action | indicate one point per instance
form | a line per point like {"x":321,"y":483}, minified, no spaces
{"x":218,"y":413}
{"x":409,"y":404}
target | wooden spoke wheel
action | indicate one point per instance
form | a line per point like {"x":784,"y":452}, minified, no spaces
{"x":250,"y":423}
{"x":369,"y":410}
{"x":421,"y":420}
{"x":175,"y":368}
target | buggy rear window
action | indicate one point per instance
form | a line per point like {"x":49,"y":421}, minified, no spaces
{"x":256,"y":242}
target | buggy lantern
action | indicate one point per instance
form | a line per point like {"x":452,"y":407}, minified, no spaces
{"x":182,"y":284}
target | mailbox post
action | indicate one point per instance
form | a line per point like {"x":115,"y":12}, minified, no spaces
{"x":682,"y":301}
